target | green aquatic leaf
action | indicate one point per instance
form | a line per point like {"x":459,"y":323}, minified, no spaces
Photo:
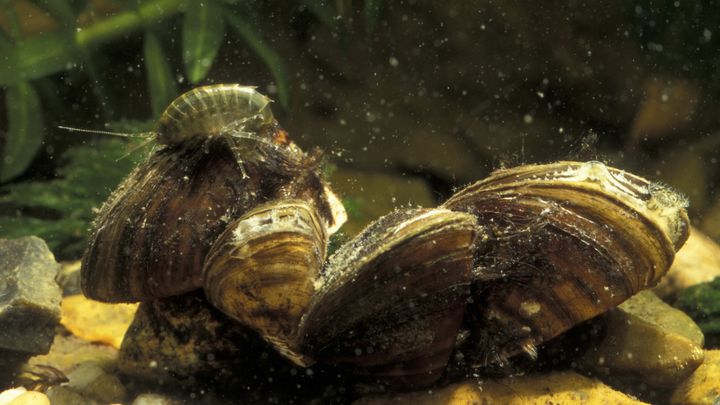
{"x":323,"y":11}
{"x":119,"y":25}
{"x":159,"y":75}
{"x":334,"y":15}
{"x":37,"y":57}
{"x":5,"y":43}
{"x":17,"y":227}
{"x":96,"y":67}
{"x":372,"y":15}
{"x":203,"y":32}
{"x":702,"y":303}
{"x":60,"y":210}
{"x":268,"y":55}
{"x":60,"y":9}
{"x":25,"y":132}
{"x":13,"y":20}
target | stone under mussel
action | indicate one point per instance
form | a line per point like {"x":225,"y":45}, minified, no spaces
{"x":504,"y":265}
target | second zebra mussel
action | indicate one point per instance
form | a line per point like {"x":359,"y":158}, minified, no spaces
{"x":507,"y":263}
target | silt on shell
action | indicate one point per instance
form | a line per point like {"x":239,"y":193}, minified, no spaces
{"x":151,"y":236}
{"x":390,"y":302}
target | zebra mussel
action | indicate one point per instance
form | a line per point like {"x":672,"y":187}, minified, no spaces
{"x":509,"y":262}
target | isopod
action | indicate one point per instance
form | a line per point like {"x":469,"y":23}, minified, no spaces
{"x":208,"y":110}
{"x":205,"y":111}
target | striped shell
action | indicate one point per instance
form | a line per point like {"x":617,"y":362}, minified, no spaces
{"x":390,"y":302}
{"x":210,"y":110}
{"x":242,"y":212}
{"x":566,"y":242}
{"x":150,"y":238}
{"x":262,"y":270}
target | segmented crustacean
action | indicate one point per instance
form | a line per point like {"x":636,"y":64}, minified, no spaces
{"x":513,"y":260}
{"x":241,"y":115}
{"x":208,"y":110}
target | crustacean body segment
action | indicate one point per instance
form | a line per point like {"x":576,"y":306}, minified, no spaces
{"x":210,"y":110}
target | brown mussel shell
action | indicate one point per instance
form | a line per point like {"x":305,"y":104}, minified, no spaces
{"x":262,"y":270}
{"x":565,"y":242}
{"x":151,"y":237}
{"x":389,"y":302}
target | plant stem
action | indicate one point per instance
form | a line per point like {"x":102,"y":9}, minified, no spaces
{"x":126,"y":22}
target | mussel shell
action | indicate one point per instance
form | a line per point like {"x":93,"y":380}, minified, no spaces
{"x":262,"y":270}
{"x":151,"y":236}
{"x":391,"y":300}
{"x":566,"y":242}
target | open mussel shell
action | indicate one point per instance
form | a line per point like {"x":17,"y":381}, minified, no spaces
{"x":390,"y":301}
{"x":566,"y":242}
{"x":262,"y":270}
{"x":151,"y":237}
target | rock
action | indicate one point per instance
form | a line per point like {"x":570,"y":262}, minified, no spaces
{"x":68,"y":351}
{"x":19,"y":396}
{"x":69,"y":278}
{"x":702,"y":303}
{"x":698,"y":261}
{"x":703,"y":386}
{"x":184,"y":341}
{"x":646,"y":342}
{"x":67,"y":354}
{"x":37,"y":377}
{"x":12,"y":362}
{"x":92,"y":381}
{"x":184,"y":337}
{"x":10,"y":394}
{"x":97,"y":321}
{"x":564,"y":387}
{"x":31,"y":398}
{"x":156,"y":399}
{"x":370,"y":195}
{"x":64,"y":395}
{"x":29,"y":295}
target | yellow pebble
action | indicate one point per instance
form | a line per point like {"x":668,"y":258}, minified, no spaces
{"x":97,"y":321}
{"x":30,"y":398}
{"x":538,"y":389}
{"x":703,"y":386}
